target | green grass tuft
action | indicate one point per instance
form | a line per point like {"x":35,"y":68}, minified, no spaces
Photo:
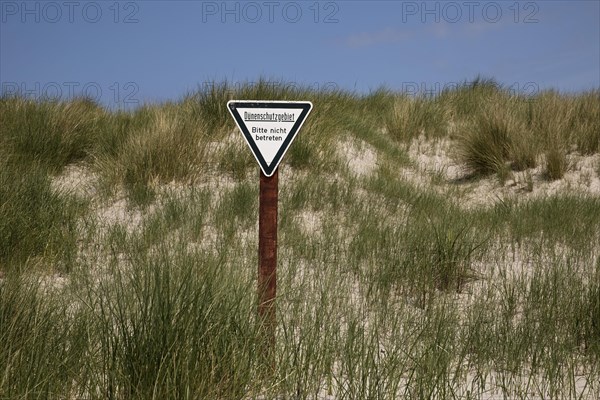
{"x":52,"y":134}
{"x":36,"y":222}
{"x":485,"y":148}
{"x":413,"y":117}
{"x":41,"y":356}
{"x":556,"y":164}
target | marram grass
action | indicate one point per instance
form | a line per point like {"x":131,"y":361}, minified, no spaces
{"x":388,"y":289}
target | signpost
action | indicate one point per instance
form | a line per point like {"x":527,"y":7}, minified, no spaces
{"x":269,"y":128}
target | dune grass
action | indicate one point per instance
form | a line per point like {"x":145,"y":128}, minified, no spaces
{"x":37,"y":225}
{"x":51,"y":133}
{"x":498,"y":131}
{"x":413,"y":117}
{"x":171,"y":326}
{"x":387,"y":288}
{"x":44,"y":346}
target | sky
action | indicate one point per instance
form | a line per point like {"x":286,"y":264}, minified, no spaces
{"x":127,"y":53}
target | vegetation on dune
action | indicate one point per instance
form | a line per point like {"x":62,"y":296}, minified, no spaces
{"x":388,"y":287}
{"x":497,"y":129}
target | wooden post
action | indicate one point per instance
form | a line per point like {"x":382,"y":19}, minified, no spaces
{"x":267,"y":256}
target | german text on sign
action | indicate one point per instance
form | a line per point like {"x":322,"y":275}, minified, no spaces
{"x":269,"y":127}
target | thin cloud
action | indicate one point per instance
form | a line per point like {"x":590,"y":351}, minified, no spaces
{"x":439,"y":31}
{"x":478,"y":28}
{"x":366,"y":39}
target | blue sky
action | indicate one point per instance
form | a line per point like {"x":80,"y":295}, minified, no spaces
{"x":148,"y":51}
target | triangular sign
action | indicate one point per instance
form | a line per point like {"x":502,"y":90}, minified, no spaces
{"x":269,"y":127}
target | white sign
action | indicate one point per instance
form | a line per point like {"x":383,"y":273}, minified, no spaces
{"x":269,"y":127}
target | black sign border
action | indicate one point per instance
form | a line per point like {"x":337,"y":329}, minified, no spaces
{"x":267,"y":169}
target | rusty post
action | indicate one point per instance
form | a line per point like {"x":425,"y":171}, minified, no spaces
{"x":267,"y":256}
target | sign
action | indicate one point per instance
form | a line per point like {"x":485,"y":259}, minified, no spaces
{"x":269,"y":127}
